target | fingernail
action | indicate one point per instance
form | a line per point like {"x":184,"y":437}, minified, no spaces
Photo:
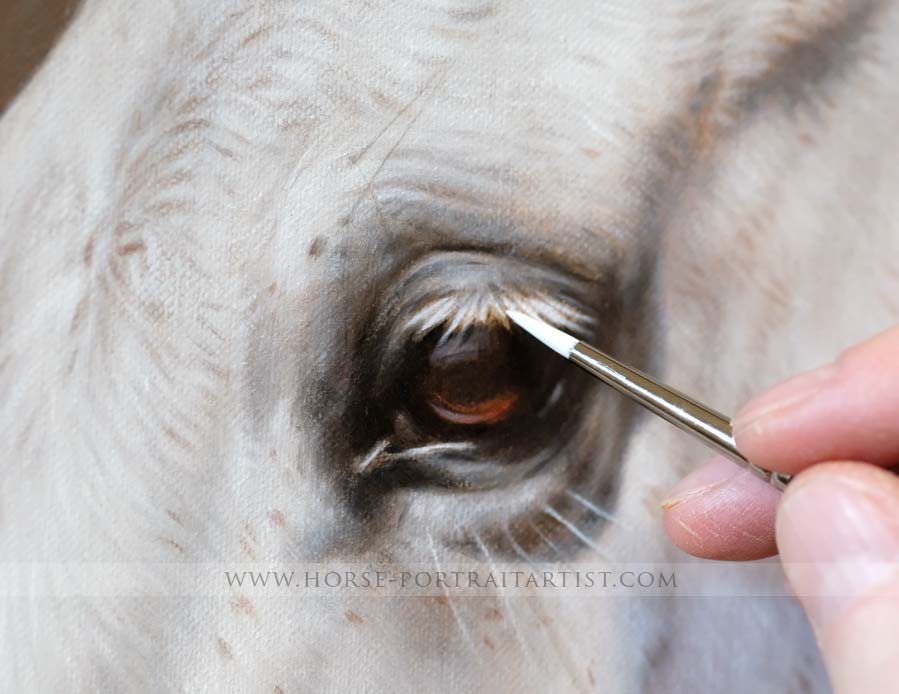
{"x":700,"y":482}
{"x":838,"y":538}
{"x":753,"y":418}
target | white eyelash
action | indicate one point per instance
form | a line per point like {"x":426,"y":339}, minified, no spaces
{"x":460,"y":312}
{"x":430,"y":316}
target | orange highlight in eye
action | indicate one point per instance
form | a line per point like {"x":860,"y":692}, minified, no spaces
{"x":488,"y":411}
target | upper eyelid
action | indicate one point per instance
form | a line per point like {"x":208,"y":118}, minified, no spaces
{"x":433,"y":296}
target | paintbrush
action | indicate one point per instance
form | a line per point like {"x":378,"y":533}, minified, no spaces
{"x":685,"y":413}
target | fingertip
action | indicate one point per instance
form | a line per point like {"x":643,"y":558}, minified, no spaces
{"x":723,"y":512}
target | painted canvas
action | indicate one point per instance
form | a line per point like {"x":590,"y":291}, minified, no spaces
{"x":256,"y":259}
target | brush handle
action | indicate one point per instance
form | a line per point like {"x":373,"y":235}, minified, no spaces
{"x":710,"y":427}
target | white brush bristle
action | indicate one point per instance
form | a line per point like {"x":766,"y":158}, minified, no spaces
{"x":552,"y":337}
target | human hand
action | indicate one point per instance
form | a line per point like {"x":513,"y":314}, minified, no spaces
{"x":837,"y":526}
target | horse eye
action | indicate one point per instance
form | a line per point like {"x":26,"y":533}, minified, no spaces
{"x":482,"y":377}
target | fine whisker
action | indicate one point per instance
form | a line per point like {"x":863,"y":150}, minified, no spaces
{"x":516,"y":627}
{"x":549,"y":543}
{"x":593,"y":508}
{"x":555,"y":515}
{"x":517,"y":548}
{"x":457,"y":618}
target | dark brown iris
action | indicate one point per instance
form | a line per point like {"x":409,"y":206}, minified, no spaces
{"x":477,"y":377}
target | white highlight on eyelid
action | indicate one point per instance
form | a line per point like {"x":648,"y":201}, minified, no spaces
{"x":363,"y":465}
{"x":431,"y":448}
{"x":379,"y":455}
{"x":552,"y":337}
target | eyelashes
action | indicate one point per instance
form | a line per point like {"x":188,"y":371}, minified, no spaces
{"x":455,"y":313}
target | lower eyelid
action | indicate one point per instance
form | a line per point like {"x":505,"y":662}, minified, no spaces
{"x":450,"y":464}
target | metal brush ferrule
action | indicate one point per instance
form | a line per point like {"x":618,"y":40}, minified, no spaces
{"x":711,"y":427}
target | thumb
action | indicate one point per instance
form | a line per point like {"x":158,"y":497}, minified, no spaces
{"x":838,"y":536}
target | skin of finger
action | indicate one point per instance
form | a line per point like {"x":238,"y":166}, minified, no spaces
{"x":849,"y":414}
{"x":838,"y":534}
{"x":861,"y":649}
{"x":858,"y":641}
{"x":721,"y":511}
